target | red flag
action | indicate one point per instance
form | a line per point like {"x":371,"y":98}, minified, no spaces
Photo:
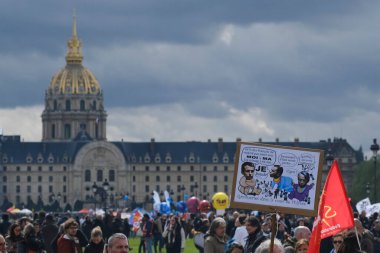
{"x":334,"y":211}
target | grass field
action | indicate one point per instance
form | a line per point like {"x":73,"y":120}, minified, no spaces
{"x":134,"y":242}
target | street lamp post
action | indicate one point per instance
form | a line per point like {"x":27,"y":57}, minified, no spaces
{"x":368,"y":189}
{"x":106,"y":187}
{"x":183,"y":188}
{"x":375,"y":149}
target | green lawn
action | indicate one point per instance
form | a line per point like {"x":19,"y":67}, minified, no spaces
{"x":190,"y":248}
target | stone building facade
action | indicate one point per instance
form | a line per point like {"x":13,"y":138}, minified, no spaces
{"x":74,"y":154}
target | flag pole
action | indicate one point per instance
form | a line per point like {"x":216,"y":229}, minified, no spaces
{"x":273,"y":231}
{"x":357,"y":238}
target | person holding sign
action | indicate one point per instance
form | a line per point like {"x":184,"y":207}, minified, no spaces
{"x":279,"y":181}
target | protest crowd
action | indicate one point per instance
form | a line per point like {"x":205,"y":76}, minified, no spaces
{"x":234,"y":232}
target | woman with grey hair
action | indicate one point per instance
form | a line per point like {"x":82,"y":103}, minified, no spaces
{"x":216,"y":237}
{"x":265,"y":247}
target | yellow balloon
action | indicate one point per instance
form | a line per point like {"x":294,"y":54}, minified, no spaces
{"x":220,"y":201}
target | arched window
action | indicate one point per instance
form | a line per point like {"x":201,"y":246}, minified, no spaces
{"x":82,"y":105}
{"x":67,"y":133}
{"x":53,"y":131}
{"x":99,"y":175}
{"x":87,"y":176}
{"x":111,"y":175}
{"x":55,"y":105}
{"x":68,"y":105}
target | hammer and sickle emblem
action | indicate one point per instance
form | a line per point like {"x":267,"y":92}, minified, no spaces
{"x":329,"y":213}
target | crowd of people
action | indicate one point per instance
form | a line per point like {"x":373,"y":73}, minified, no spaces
{"x":234,"y":232}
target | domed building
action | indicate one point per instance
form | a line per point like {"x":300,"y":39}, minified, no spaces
{"x":73,"y":100}
{"x":75,"y":163}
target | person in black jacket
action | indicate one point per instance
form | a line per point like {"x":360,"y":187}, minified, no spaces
{"x":175,"y":236}
{"x":30,"y":242}
{"x":96,"y":243}
{"x":255,"y":235}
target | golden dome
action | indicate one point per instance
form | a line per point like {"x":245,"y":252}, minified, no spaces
{"x":74,"y":78}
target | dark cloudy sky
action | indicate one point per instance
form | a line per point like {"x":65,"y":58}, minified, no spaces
{"x":197,"y":70}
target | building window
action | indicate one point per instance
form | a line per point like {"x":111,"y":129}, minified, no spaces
{"x":4,"y":189}
{"x":225,"y":178}
{"x":146,"y":168}
{"x":39,"y":178}
{"x":64,"y":178}
{"x":158,"y":178}
{"x":205,"y":188}
{"x":99,"y":175}
{"x":179,"y":178}
{"x":17,"y":189}
{"x":50,"y":179}
{"x":225,"y":168}
{"x":67,"y":131}
{"x":204,"y":168}
{"x":134,"y":179}
{"x":168,"y":178}
{"x":18,"y":199}
{"x":18,"y":168}
{"x":17,"y":178}
{"x":68,"y":105}
{"x":50,"y":188}
{"x":146,"y":178}
{"x":87,"y":176}
{"x":39,"y":189}
{"x":29,"y":168}
{"x":29,"y":179}
{"x":94,"y":105}
{"x":157,"y":168}
{"x":204,"y":178}
{"x":215,"y":168}
{"x":146,"y":188}
{"x":111,"y":175}
{"x":179,"y":168}
{"x":53,"y":131}
{"x":134,"y":188}
{"x":191,"y":178}
{"x":134,"y":168}
{"x":55,"y":105}
{"x":4,"y":168}
{"x":226,"y":188}
{"x":168,"y":168}
{"x":50,"y":168}
{"x":191,"y":168}
{"x":4,"y":179}
{"x":215,"y":188}
{"x":64,"y":188}
{"x":215,"y":178}
{"x":29,"y":189}
{"x":157,"y":188}
{"x":39,"y":168}
{"x":82,"y":105}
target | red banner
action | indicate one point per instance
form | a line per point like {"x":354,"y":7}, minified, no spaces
{"x":334,"y":212}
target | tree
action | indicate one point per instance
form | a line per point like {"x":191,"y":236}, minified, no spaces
{"x":68,"y":207}
{"x":363,"y":176}
{"x":6,"y":204}
{"x":40,"y":204}
{"x":78,"y":205}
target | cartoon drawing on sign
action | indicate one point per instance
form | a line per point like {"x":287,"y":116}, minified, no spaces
{"x":247,"y":184}
{"x":280,"y":182}
{"x":301,"y":190}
